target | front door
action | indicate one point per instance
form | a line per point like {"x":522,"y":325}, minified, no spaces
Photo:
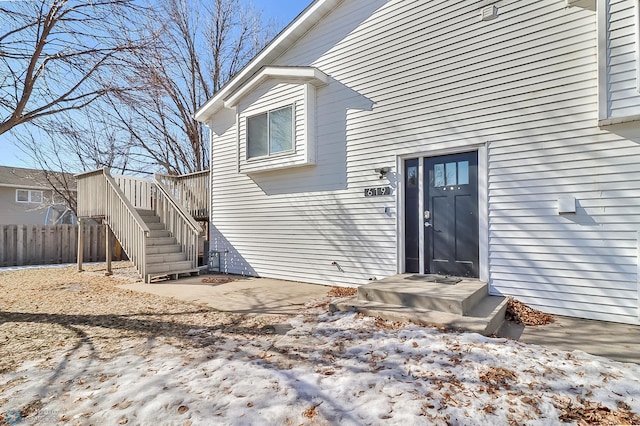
{"x":447,"y":217}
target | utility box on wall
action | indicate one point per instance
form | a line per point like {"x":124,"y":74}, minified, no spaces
{"x":567,"y":205}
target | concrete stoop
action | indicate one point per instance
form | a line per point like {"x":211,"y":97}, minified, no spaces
{"x":464,"y":306}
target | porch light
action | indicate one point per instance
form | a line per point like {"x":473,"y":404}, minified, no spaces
{"x":382,"y":171}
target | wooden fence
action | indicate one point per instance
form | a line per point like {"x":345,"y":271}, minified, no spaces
{"x":49,"y":244}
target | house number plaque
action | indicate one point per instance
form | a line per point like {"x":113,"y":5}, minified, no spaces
{"x":377,"y":192}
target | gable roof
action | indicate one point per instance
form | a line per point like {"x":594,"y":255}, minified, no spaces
{"x":16,"y":177}
{"x":307,"y":19}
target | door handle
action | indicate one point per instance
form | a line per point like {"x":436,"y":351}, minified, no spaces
{"x":427,"y":224}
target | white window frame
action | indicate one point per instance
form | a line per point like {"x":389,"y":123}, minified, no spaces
{"x":269,"y":154}
{"x":30,"y":197}
{"x":637,"y":12}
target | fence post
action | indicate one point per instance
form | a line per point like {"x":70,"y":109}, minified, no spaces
{"x":80,"y":243}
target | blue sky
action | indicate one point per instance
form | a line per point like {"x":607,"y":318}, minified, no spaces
{"x":284,"y":11}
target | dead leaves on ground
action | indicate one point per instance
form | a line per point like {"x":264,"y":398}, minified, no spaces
{"x":523,"y":314}
{"x":312,"y":412}
{"x":586,"y":412}
{"x":497,"y":378}
{"x":217,"y":280}
{"x":342,"y":292}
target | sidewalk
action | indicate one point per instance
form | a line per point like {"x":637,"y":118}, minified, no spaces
{"x":620,"y":342}
{"x":247,"y":295}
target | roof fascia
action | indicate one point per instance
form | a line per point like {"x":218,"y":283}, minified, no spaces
{"x":299,"y":75}
{"x":287,"y":38}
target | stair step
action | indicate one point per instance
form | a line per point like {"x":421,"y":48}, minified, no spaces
{"x":150,"y":219}
{"x":163,"y":249}
{"x":173,"y":275}
{"x":168,"y":267}
{"x":159,"y":233}
{"x":161,"y":241}
{"x":145,"y":212}
{"x":166,"y":257}
{"x":157,"y":226}
{"x":457,"y":298}
{"x":486,"y":319}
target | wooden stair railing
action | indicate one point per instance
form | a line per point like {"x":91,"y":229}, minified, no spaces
{"x":127,"y":225}
{"x":190,"y":191}
{"x":178,"y":221}
{"x":99,"y":195}
{"x":116,"y":198}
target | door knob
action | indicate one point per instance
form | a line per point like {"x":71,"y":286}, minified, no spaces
{"x":427,"y":224}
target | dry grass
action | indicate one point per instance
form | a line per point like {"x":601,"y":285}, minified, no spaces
{"x":45,"y":311}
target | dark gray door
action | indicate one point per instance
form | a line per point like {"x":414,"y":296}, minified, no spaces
{"x":451,"y":215}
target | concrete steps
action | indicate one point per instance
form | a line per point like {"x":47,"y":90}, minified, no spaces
{"x":463,"y":306}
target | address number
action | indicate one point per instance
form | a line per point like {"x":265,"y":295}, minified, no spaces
{"x":377,"y":192}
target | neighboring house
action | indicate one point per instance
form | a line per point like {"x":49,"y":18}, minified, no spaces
{"x":492,"y":139}
{"x":27,"y":198}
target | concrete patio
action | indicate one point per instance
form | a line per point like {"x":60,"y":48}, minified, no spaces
{"x":620,"y":342}
{"x":245,"y":295}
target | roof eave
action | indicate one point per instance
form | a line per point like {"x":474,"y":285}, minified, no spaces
{"x":283,"y":41}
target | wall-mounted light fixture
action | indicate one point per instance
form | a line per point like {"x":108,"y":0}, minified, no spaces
{"x":489,"y":13}
{"x":382,"y":171}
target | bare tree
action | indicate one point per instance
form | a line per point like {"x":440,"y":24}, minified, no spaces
{"x":59,"y":55}
{"x":198,"y":46}
{"x":76,"y":145}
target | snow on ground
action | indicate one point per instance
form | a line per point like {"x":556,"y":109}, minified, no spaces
{"x":328,"y":369}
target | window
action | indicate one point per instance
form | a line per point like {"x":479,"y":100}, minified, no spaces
{"x":27,"y":196}
{"x":270,"y":133}
{"x":456,"y":173}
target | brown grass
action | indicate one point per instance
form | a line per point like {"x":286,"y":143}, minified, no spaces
{"x":46,"y":311}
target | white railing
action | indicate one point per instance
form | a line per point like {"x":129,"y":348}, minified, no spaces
{"x":127,"y":225}
{"x":174,"y":199}
{"x":99,"y":195}
{"x":178,"y":221}
{"x":91,"y":189}
{"x":191,"y":191}
{"x":137,"y":190}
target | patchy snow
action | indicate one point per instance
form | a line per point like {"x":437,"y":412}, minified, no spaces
{"x":328,"y":369}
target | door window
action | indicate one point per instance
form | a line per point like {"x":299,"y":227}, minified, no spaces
{"x":449,"y":174}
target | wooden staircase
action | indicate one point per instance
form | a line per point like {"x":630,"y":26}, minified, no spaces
{"x":165,"y":257}
{"x":152,"y":219}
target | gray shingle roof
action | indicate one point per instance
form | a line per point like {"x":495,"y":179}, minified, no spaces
{"x":29,"y":178}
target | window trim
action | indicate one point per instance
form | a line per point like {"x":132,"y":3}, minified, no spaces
{"x":292,"y":106}
{"x":637,"y":37}
{"x":29,"y":196}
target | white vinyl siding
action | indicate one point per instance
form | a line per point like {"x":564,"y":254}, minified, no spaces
{"x":415,"y":77}
{"x":272,"y":96}
{"x":621,"y":73}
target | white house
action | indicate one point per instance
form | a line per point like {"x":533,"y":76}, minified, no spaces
{"x":495,"y":139}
